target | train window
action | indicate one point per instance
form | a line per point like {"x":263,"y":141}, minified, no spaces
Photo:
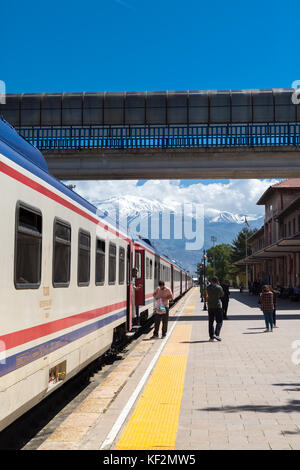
{"x":28,"y":248}
{"x":150,"y":269}
{"x":100,"y":262}
{"x":138,"y":264}
{"x":61,"y":254}
{"x":121,"y":265}
{"x":147,"y":268}
{"x":84,"y":258}
{"x":156,"y":270}
{"x":112,"y":263}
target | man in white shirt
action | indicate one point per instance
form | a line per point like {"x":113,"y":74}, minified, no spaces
{"x":162,"y":295}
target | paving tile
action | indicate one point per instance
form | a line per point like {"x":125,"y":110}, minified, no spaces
{"x":241,"y":384}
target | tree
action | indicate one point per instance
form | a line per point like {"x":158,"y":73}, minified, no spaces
{"x":239,"y":244}
{"x":222,"y":254}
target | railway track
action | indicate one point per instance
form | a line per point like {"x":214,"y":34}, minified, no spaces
{"x":30,"y":430}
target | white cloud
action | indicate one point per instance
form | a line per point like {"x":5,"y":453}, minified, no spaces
{"x":235,"y":196}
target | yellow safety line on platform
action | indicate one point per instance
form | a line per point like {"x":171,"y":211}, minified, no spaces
{"x":154,"y":422}
{"x":188,"y":310}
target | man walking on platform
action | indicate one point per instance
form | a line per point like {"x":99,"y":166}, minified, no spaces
{"x":162,"y":295}
{"x":225,"y":298}
{"x":215,"y":311}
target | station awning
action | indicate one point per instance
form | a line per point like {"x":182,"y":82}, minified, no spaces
{"x":276,"y":250}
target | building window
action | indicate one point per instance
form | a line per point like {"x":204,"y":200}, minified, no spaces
{"x":121,"y":265}
{"x":84,"y":258}
{"x":61,"y":254}
{"x":294,"y":226}
{"x":289,"y":234}
{"x":100,"y":262}
{"x":112,"y":265}
{"x":28,"y":248}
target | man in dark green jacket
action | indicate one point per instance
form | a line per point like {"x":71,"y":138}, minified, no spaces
{"x":215,"y":311}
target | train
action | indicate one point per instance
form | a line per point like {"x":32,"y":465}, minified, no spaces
{"x":70,"y":280}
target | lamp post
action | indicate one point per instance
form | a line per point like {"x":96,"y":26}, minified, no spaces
{"x":214,"y":239}
{"x":201,"y":281}
{"x":246,"y":242}
{"x":204,"y":281}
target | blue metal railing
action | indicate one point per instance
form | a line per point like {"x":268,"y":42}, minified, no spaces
{"x":127,"y":137}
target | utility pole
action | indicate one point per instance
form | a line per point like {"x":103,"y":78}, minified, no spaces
{"x":246,"y":240}
{"x":204,"y":283}
{"x":214,"y":239}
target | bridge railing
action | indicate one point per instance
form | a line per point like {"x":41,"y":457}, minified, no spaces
{"x":231,"y":135}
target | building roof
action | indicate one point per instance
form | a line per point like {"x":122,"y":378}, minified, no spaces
{"x":292,"y":183}
{"x":257,"y":234}
{"x":294,"y":205}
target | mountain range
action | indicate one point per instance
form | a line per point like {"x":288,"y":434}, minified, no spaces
{"x":171,"y":227}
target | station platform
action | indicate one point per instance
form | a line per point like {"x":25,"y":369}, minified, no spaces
{"x":186,"y":393}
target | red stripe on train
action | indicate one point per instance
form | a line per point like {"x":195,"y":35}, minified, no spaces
{"x":17,"y":338}
{"x":51,"y":195}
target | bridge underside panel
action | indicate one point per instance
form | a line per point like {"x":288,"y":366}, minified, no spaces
{"x":151,"y":108}
{"x":174,"y":163}
{"x":162,"y":134}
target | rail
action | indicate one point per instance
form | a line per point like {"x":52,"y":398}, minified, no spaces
{"x":134,"y":137}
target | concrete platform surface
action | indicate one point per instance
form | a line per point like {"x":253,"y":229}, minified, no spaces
{"x":184,"y":392}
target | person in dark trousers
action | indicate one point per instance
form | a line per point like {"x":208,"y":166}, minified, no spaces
{"x":225,"y":298}
{"x":267,"y":306}
{"x":215,"y":311}
{"x":162,"y":295}
{"x":275,"y":293}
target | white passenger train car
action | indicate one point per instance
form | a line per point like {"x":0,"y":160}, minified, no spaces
{"x":65,"y":278}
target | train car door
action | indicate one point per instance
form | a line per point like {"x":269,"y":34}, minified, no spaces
{"x":130,"y":296}
{"x":156,"y":271}
{"x":140,"y":279}
{"x":180,"y":282}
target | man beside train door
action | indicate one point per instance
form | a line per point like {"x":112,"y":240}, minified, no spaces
{"x":135,"y":310}
{"x":162,"y":295}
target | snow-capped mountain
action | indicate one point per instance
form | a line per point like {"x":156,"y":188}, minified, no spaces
{"x":131,"y":206}
{"x":141,"y":215}
{"x":228,"y":217}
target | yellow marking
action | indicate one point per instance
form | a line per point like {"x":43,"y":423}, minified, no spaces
{"x":154,"y":422}
{"x":188,"y":310}
{"x":46,"y":291}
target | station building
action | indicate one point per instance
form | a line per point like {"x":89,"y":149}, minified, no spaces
{"x":275,"y":247}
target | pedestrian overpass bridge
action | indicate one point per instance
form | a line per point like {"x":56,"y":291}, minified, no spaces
{"x":164,"y":135}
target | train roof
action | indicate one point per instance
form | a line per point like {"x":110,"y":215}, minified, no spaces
{"x":144,"y":242}
{"x":17,"y":149}
{"x":10,"y":137}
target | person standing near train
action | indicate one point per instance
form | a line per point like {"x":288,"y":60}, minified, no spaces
{"x":162,"y":296}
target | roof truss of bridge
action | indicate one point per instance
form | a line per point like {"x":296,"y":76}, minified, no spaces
{"x":151,"y":108}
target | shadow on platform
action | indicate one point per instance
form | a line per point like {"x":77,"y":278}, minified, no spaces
{"x":252,"y":301}
{"x":204,"y":317}
{"x":291,"y":406}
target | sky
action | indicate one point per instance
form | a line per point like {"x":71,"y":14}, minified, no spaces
{"x":236,"y":196}
{"x":137,"y":45}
